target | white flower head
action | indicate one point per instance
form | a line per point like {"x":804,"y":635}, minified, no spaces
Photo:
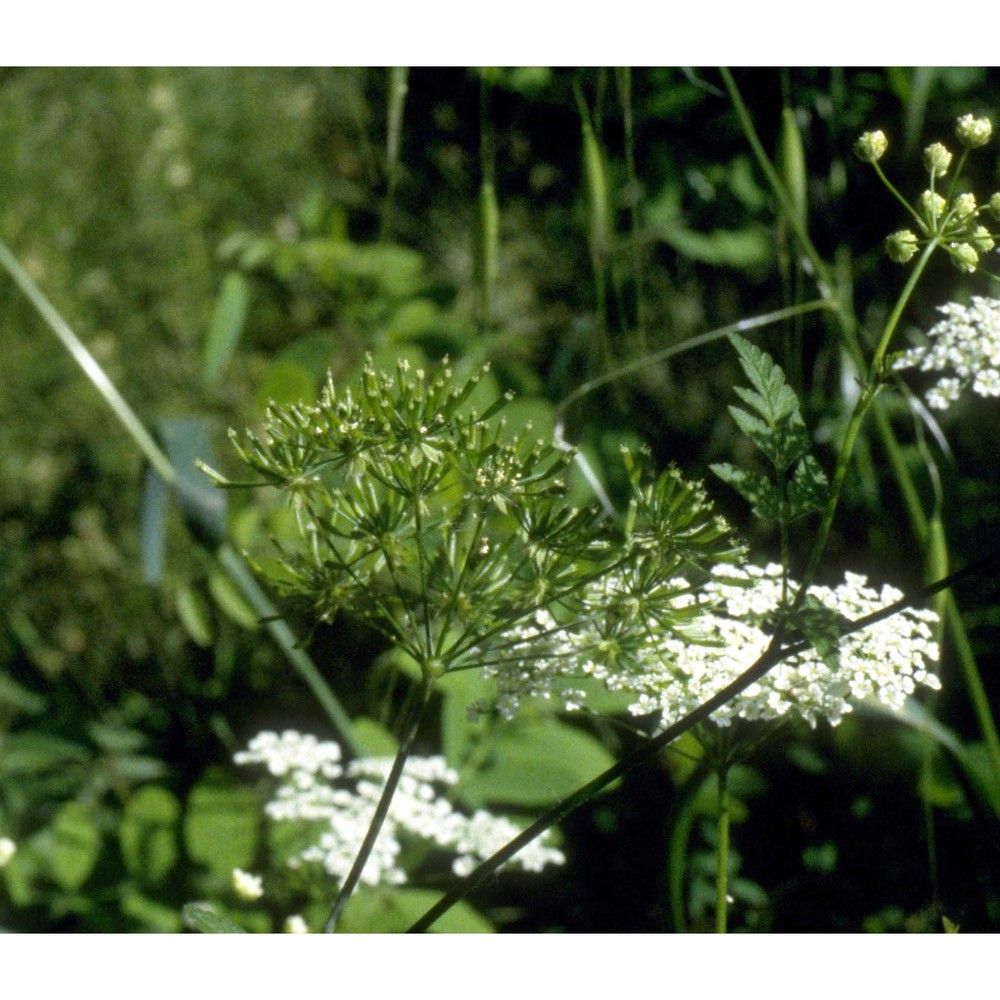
{"x":963,"y":349}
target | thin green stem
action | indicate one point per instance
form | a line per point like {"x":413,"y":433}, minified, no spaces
{"x":864,"y":400}
{"x":892,"y":190}
{"x":624,"y":78}
{"x":411,"y":726}
{"x":398,"y":87}
{"x":722,"y":854}
{"x":904,"y":478}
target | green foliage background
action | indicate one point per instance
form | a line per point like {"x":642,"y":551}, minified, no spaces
{"x":221,"y":237}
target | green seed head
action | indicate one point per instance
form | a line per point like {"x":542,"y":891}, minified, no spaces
{"x":982,"y":240}
{"x":931,"y":207}
{"x":901,"y":246}
{"x":871,"y":147}
{"x":937,"y":159}
{"x":973,"y":132}
{"x":964,"y":257}
{"x":964,"y":206}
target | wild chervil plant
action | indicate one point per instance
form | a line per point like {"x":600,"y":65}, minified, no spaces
{"x":423,"y":517}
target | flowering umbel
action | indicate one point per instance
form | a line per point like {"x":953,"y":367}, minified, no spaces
{"x":327,"y":805}
{"x":671,"y":674}
{"x":950,"y":223}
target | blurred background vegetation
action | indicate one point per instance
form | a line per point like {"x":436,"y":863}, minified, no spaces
{"x":222,"y":237}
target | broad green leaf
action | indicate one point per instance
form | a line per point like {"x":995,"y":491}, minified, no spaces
{"x":202,"y":917}
{"x":148,"y":833}
{"x":738,"y":248}
{"x":230,"y":600}
{"x":27,"y":752}
{"x":535,"y":763}
{"x":226,"y":326}
{"x":392,"y":911}
{"x":375,"y":738}
{"x":221,"y":826}
{"x":192,"y":610}
{"x":286,"y":383}
{"x":153,"y":525}
{"x":73,"y":843}
{"x":154,"y":916}
{"x":459,"y":735}
{"x":16,"y":697}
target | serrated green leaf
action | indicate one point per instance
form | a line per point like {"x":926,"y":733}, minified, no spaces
{"x":807,"y":489}
{"x":148,"y":833}
{"x":779,"y":431}
{"x":762,"y":495}
{"x":201,"y":917}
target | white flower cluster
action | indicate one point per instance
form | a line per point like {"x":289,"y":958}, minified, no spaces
{"x":884,"y":662}
{"x":965,"y":348}
{"x":672,"y":674}
{"x":336,"y":802}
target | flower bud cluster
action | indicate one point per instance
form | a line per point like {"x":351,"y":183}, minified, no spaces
{"x":953,"y":224}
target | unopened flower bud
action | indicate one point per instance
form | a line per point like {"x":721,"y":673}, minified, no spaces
{"x":964,"y":257}
{"x":871,"y":147}
{"x":931,"y":206}
{"x":964,"y":206}
{"x":995,"y":205}
{"x":973,"y":132}
{"x":900,"y":246}
{"x":982,"y":240}
{"x":937,"y":159}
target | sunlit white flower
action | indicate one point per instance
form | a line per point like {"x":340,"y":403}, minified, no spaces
{"x":964,"y":348}
{"x":295,"y":924}
{"x":247,"y":886}
{"x":7,"y":850}
{"x":331,"y":807}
